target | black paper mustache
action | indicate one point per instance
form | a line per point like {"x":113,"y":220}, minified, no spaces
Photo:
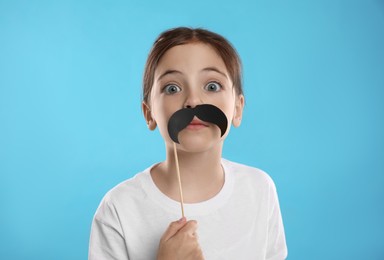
{"x":206,"y":112}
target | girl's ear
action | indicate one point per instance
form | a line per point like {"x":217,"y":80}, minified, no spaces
{"x":151,"y":123}
{"x":238,"y":114}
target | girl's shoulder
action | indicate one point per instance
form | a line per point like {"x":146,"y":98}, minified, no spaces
{"x":246,"y":173}
{"x":129,"y":189}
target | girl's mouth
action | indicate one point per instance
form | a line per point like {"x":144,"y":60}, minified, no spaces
{"x":196,"y":124}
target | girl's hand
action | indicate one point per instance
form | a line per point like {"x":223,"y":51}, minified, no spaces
{"x":180,"y":241}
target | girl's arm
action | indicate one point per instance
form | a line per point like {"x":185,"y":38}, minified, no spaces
{"x":276,"y":247}
{"x":107,"y":240}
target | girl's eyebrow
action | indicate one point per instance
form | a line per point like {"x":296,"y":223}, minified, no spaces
{"x":169,"y":72}
{"x":215,"y":70}
{"x":207,"y":69}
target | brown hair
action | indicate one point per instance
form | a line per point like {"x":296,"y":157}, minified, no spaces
{"x":184,"y":35}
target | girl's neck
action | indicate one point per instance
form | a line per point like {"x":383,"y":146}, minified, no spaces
{"x":202,"y":176}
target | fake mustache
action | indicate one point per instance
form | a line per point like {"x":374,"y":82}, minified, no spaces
{"x":206,"y":112}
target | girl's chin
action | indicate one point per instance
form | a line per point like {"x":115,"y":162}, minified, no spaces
{"x":195,"y":144}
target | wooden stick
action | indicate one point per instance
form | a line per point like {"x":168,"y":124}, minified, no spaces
{"x":179,"y":180}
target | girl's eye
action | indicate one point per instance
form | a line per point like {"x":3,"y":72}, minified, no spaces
{"x":213,"y":86}
{"x":171,"y":89}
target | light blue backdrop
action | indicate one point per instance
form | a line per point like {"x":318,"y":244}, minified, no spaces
{"x":71,"y":126}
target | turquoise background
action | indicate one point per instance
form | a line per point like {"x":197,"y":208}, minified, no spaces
{"x":71,"y":125}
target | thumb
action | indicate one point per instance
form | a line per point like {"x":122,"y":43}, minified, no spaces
{"x":173,"y":228}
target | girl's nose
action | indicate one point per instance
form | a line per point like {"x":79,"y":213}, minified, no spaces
{"x":192,"y":100}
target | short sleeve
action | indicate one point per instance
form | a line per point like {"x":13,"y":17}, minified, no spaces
{"x":276,"y":246}
{"x":107,"y":239}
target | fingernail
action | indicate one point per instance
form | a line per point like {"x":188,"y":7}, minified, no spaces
{"x":181,"y":220}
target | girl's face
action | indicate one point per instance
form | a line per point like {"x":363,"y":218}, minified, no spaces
{"x":186,"y":76}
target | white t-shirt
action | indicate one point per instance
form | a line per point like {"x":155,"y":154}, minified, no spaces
{"x":243,"y":221}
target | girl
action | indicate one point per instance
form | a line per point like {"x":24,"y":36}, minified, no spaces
{"x":232,"y":209}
